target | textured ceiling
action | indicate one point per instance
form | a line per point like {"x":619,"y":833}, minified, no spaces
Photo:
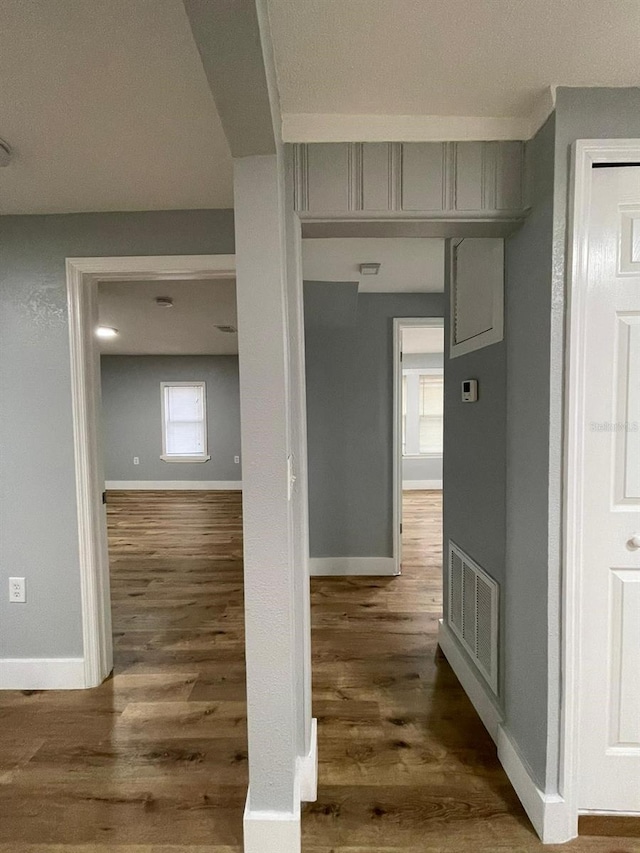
{"x":186,"y":329}
{"x":406,"y":264}
{"x":447,"y":57}
{"x":107,"y":107}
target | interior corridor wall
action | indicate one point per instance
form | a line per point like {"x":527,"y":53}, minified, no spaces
{"x":349,"y":377}
{"x":38,"y":511}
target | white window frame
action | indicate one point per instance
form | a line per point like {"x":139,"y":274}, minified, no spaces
{"x":431,"y":371}
{"x":171,"y":457}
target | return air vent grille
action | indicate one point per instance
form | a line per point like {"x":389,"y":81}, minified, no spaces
{"x":473,"y":612}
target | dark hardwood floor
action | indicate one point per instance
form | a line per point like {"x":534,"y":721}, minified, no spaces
{"x":154,"y":760}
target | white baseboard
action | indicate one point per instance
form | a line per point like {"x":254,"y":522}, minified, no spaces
{"x":479,"y":695}
{"x":340,"y":566}
{"x":271,"y":832}
{"x":549,"y":813}
{"x":308,"y":769}
{"x":421,"y":485}
{"x":178,"y":485}
{"x":279,"y":832}
{"x":42,"y":674}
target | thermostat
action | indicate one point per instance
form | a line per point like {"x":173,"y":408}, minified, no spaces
{"x":469,"y":390}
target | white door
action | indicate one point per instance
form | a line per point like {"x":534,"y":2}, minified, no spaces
{"x":609,"y":758}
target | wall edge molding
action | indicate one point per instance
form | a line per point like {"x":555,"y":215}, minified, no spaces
{"x":308,"y":768}
{"x":426,"y":485}
{"x":175,"y":485}
{"x":42,"y":674}
{"x":341,"y":566}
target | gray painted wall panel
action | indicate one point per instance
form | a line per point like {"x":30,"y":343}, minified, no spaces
{"x":376,"y":175}
{"x":328,"y":178}
{"x":350,"y":422}
{"x":131,"y":416}
{"x":423,"y":175}
{"x":468,"y":175}
{"x":38,"y":521}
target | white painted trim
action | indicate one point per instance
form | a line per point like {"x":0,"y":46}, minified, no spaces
{"x":421,"y":485}
{"x":549,"y":813}
{"x":271,"y":832}
{"x":341,"y":127}
{"x":470,"y":680}
{"x":280,"y":832}
{"x":308,"y":768}
{"x":174,"y":485}
{"x":585,"y":153}
{"x":339,"y":566}
{"x":42,"y":674}
{"x":83,"y":275}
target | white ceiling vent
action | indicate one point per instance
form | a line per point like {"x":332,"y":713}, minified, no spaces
{"x":473,"y":612}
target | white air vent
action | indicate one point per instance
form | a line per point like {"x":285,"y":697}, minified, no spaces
{"x":473,"y":612}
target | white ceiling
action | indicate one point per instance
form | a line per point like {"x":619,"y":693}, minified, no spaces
{"x":186,"y":329}
{"x":107,"y":107}
{"x":411,"y":264}
{"x":421,"y":339}
{"x":344,"y":64}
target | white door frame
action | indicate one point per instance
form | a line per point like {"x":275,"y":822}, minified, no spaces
{"x":398,"y":324}
{"x":586,"y":152}
{"x":83,"y":275}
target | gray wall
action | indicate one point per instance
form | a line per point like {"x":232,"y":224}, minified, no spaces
{"x":131,"y":415}
{"x":474,"y":457}
{"x":349,"y":374}
{"x":528,"y":265}
{"x":38,"y":521}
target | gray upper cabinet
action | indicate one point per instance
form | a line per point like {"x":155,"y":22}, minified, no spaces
{"x":411,"y":180}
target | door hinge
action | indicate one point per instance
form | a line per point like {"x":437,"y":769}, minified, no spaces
{"x":400,"y":528}
{"x":104,"y":497}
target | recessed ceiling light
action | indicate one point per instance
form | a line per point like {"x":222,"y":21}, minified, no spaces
{"x":369,"y":269}
{"x":164,"y":301}
{"x":106,"y":332}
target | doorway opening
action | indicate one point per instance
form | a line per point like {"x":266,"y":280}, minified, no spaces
{"x":418,"y":437}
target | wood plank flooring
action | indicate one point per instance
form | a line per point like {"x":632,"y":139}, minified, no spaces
{"x":154,"y":760}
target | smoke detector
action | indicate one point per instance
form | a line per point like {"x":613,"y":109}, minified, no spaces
{"x":5,"y":153}
{"x":229,"y":330}
{"x":164,"y":302}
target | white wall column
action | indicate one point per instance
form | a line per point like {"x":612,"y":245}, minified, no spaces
{"x":274,"y":626}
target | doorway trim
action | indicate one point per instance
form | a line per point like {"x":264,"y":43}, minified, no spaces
{"x":398,"y":324}
{"x":585,"y":154}
{"x":83,"y":275}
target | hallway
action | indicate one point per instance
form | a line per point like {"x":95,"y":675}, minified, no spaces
{"x":154,"y":760}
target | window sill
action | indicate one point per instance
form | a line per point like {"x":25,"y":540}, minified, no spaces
{"x":202,"y":458}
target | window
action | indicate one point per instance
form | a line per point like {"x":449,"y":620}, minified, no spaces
{"x":431,"y":410}
{"x":422,"y":412}
{"x":184,"y":422}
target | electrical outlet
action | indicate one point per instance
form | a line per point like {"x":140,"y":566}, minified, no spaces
{"x":17,"y":590}
{"x":236,"y":459}
{"x":136,"y":460}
